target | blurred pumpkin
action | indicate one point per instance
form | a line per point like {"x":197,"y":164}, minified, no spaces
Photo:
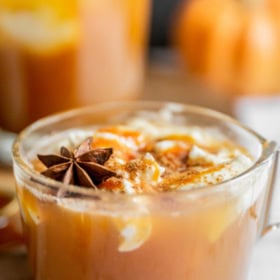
{"x":232,"y":45}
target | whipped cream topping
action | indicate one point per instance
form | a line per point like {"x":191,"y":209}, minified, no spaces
{"x":160,"y":156}
{"x":153,"y":154}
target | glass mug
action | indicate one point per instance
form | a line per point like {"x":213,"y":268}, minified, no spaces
{"x":60,"y":54}
{"x":198,"y":234}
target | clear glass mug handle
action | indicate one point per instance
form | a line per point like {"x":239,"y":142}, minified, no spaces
{"x":272,"y":210}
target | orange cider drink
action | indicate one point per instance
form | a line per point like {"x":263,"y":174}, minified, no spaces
{"x":141,"y":191}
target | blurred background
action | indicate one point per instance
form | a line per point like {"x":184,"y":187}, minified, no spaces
{"x":223,"y":54}
{"x":163,"y":14}
{"x":214,"y":53}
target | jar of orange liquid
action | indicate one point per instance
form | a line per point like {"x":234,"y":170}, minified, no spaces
{"x":61,"y":54}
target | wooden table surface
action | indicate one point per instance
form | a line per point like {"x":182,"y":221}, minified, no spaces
{"x":163,"y":82}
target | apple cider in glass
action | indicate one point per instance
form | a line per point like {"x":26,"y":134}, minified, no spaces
{"x":61,"y":54}
{"x":145,"y":196}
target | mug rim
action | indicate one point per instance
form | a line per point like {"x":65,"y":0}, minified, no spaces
{"x":268,"y":149}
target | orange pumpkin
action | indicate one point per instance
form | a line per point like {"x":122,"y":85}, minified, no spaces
{"x":233,"y":46}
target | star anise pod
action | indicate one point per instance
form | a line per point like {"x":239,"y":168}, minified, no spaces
{"x":83,"y":167}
